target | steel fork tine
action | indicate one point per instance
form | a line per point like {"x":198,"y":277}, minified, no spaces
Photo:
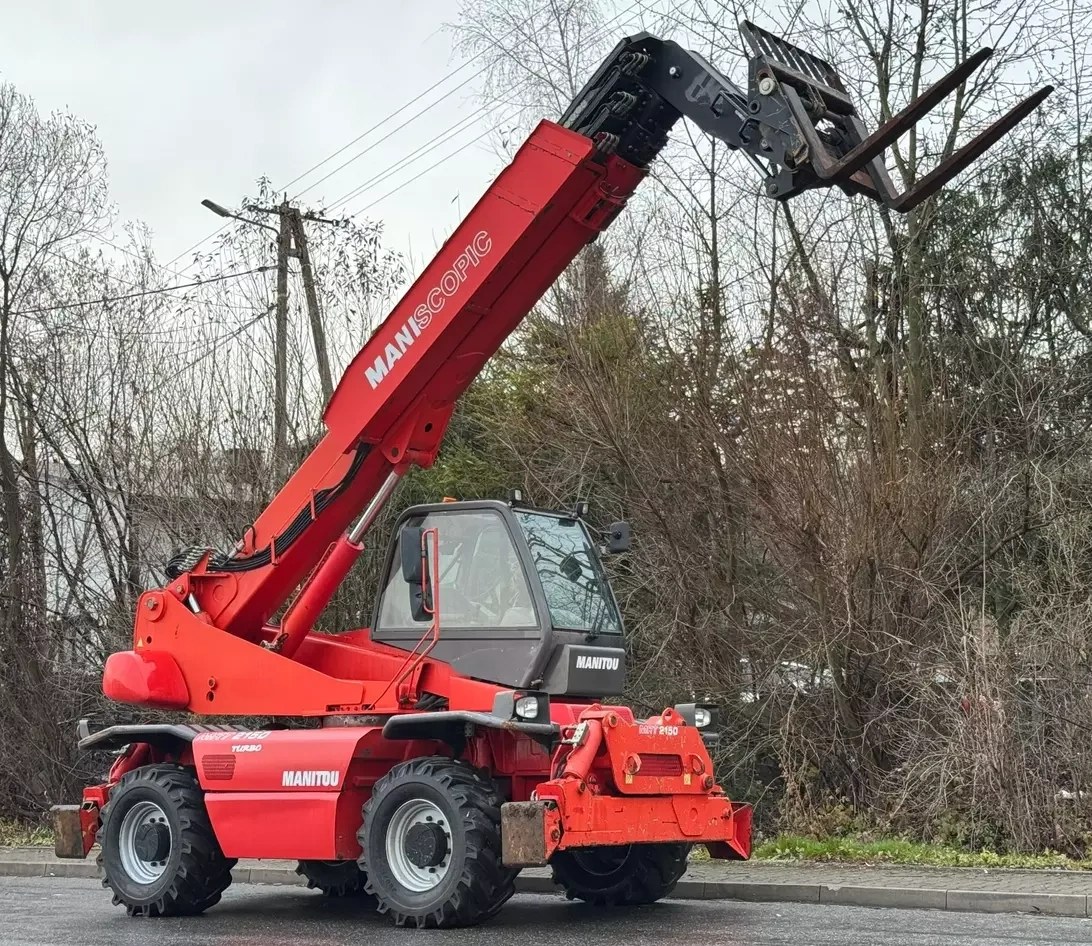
{"x":946,"y":170}
{"x":901,"y":123}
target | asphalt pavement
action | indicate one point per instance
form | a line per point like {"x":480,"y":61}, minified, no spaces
{"x":74,"y":912}
{"x":1061,"y":892}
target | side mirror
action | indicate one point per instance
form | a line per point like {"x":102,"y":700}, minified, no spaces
{"x":409,"y":543}
{"x":618,"y":538}
{"x":415,"y":571}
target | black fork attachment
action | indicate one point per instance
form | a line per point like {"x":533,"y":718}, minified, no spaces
{"x":796,"y":115}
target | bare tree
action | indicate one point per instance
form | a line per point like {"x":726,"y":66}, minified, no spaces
{"x":536,"y":54}
{"x":52,"y":192}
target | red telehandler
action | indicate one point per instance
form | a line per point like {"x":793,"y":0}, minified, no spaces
{"x":427,"y":759}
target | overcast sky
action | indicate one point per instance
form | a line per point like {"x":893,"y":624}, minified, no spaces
{"x":198,"y":99}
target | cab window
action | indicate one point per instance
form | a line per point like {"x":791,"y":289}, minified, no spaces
{"x":572,"y":576}
{"x":482,"y":584}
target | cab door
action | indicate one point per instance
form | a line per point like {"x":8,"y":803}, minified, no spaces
{"x":491,"y":625}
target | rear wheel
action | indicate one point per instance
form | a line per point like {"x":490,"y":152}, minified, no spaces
{"x":334,"y":878}
{"x":159,"y":853}
{"x":431,"y":844}
{"x":620,"y":876}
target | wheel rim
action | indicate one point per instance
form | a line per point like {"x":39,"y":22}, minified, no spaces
{"x":409,"y":815}
{"x":145,"y":841}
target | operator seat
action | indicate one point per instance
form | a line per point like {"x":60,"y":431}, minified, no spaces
{"x":496,"y":581}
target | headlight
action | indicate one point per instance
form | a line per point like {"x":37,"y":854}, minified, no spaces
{"x":527,"y":707}
{"x":524,"y":705}
{"x":699,"y":715}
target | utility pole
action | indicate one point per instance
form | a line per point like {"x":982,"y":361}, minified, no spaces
{"x":291,"y":241}
{"x":318,"y":332}
{"x":280,"y":356}
{"x":296,"y":245}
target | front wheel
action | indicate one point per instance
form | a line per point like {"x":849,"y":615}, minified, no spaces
{"x":431,"y":844}
{"x":159,"y":853}
{"x":620,"y":876}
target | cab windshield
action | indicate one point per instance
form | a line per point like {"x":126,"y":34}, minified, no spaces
{"x":482,"y":584}
{"x":572,"y":576}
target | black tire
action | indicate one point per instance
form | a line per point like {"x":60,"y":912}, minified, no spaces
{"x":195,"y":872}
{"x":620,"y":876}
{"x":334,"y":878}
{"x":475,"y":884}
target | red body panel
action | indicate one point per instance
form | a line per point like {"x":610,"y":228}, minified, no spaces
{"x":147,"y":678}
{"x":306,"y":825}
{"x":294,"y":793}
{"x":589,"y":820}
{"x":284,"y":760}
{"x":228,"y":675}
{"x":641,"y":755}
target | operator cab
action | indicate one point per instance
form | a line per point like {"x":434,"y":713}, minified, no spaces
{"x":524,"y":600}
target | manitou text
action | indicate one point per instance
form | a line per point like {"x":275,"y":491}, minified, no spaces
{"x":584,"y":662}
{"x":310,"y":778}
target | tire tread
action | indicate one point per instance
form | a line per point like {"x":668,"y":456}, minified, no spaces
{"x":485,"y":884}
{"x":344,"y":879}
{"x":654,"y":870}
{"x":203,"y":872}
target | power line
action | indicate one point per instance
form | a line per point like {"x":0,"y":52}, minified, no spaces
{"x":431,"y":167}
{"x":92,"y":269}
{"x":136,"y":256}
{"x":359,"y":154}
{"x":132,"y":333}
{"x":155,"y":265}
{"x":377,"y":125}
{"x":434,"y":142}
{"x":383,"y":121}
{"x":375,"y":144}
{"x":146,"y":292}
{"x":210,"y":349}
{"x":33,"y":332}
{"x":128,"y":282}
{"x":446,"y":135}
{"x":607,"y":27}
{"x":219,"y":229}
{"x":402,"y":108}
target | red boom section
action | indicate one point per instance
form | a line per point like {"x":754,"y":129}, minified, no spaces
{"x":399,"y":392}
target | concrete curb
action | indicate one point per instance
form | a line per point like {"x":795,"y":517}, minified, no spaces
{"x":913,"y":898}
